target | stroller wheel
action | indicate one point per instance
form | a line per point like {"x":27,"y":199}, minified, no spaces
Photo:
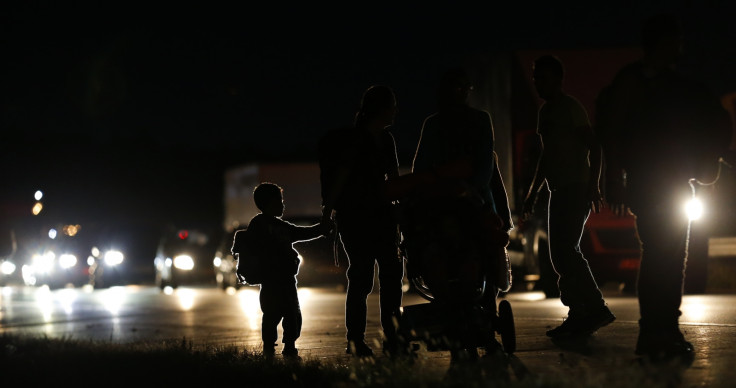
{"x":506,"y":326}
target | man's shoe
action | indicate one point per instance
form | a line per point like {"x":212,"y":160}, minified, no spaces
{"x":359,"y":349}
{"x":659,"y":347}
{"x":290,"y":351}
{"x":269,"y":350}
{"x":582,"y":323}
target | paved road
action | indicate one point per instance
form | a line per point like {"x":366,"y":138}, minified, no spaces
{"x":209,"y":316}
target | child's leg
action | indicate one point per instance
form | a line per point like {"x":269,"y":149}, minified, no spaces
{"x":271,"y":317}
{"x":292,"y":323}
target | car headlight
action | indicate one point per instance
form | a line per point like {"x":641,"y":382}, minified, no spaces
{"x":7,"y":268}
{"x":184,"y":262}
{"x":43,"y":263}
{"x":694,"y":209}
{"x":113,"y":258}
{"x":67,"y":260}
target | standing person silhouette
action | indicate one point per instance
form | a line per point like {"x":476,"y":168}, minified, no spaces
{"x":570,"y":166}
{"x":274,"y":239}
{"x":362,"y":159}
{"x":460,"y":135}
{"x":458,"y":131}
{"x":660,"y":130}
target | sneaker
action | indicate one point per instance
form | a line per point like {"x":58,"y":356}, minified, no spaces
{"x":290,"y":351}
{"x":660,"y":347}
{"x":359,"y":349}
{"x":269,"y":350}
{"x":582,"y":324}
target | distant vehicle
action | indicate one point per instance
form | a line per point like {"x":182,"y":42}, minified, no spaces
{"x":303,"y":201}
{"x":106,"y":267}
{"x":713,"y":231}
{"x":58,"y":259}
{"x":9,"y":268}
{"x":184,"y":257}
{"x":225,"y":264}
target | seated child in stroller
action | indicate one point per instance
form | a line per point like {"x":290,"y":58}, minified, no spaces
{"x":456,"y":258}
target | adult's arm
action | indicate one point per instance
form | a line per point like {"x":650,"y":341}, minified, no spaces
{"x":483,"y":156}
{"x":500,"y":196}
{"x":426,"y":146}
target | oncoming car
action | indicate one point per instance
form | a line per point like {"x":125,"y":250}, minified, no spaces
{"x":184,"y":256}
{"x":105,"y":267}
{"x":712,"y":242}
{"x":8,"y":247}
{"x":58,"y":259}
{"x":224,"y":264}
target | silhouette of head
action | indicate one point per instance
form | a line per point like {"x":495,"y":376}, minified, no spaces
{"x":661,"y":35}
{"x":454,"y":88}
{"x":378,"y":106}
{"x":548,"y":73}
{"x":269,"y":199}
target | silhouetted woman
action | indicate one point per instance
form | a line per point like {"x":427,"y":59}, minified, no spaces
{"x":364,"y":158}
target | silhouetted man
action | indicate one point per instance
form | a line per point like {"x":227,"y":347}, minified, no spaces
{"x":660,"y":130}
{"x":570,"y":166}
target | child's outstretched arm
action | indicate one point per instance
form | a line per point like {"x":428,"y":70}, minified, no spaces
{"x":306,"y":233}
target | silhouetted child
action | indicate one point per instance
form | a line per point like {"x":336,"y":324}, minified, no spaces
{"x":280,"y":262}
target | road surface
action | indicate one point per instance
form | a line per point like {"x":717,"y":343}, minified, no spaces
{"x":207,"y":316}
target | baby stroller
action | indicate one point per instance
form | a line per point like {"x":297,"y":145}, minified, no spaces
{"x":456,"y":259}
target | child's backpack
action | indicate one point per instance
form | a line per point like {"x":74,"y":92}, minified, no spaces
{"x":249,"y":268}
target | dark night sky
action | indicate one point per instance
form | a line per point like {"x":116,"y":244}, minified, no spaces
{"x":120,"y":105}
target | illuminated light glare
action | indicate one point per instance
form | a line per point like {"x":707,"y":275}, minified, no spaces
{"x":113,"y":258}
{"x":7,"y":268}
{"x":90,"y":260}
{"x":95,"y":252}
{"x":217,"y":261}
{"x":67,"y":261}
{"x":694,"y":209}
{"x":71,"y":230}
{"x":168,"y":262}
{"x":44,"y":263}
{"x":531,"y":278}
{"x":405,"y":287}
{"x":66,"y":299}
{"x":694,"y":309}
{"x":52,"y":233}
{"x":251,"y":307}
{"x":184,"y":262}
{"x":168,"y":290}
{"x":186,"y":298}
{"x":38,"y":195}
{"x":304,"y":294}
{"x":45,"y":302}
{"x":27,"y":273}
{"x":36,"y":210}
{"x":113,"y":299}
{"x":532,"y":296}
